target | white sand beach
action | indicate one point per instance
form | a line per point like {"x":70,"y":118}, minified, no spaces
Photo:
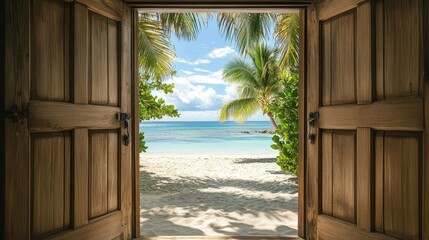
{"x":216,"y":195}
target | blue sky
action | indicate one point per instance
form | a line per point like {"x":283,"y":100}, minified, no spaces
{"x":199,"y":89}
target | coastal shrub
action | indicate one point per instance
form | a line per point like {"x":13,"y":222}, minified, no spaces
{"x":150,"y":106}
{"x":285,"y":110}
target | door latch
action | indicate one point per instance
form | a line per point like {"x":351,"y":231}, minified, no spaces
{"x":125,"y":117}
{"x":15,"y":114}
{"x":313,"y":117}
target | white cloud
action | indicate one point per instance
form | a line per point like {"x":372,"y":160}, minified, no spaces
{"x":186,"y":72}
{"x":202,"y":70}
{"x":221,"y":52}
{"x":196,"y":62}
{"x":230,"y":93}
{"x":190,"y":96}
{"x":212,"y":78}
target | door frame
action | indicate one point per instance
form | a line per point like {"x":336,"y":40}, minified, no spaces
{"x":159,"y":5}
{"x":2,"y":135}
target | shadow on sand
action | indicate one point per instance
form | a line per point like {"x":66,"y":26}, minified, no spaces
{"x":189,"y":195}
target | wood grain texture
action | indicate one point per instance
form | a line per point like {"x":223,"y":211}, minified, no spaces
{"x":401,"y":114}
{"x":81,"y":53}
{"x":68,"y":148}
{"x":343,"y":83}
{"x":302,"y":96}
{"x":51,"y":116}
{"x":364,"y":178}
{"x":51,"y":183}
{"x":403,"y":24}
{"x":80,"y":178}
{"x":98,"y":82}
{"x":48,"y":56}
{"x":108,"y":8}
{"x":108,"y":227}
{"x":379,"y":48}
{"x":326,"y":63}
{"x":327,"y":172}
{"x":113,"y":63}
{"x":401,"y":177}
{"x":379,"y":182}
{"x":312,"y":183}
{"x":16,"y":91}
{"x":364,"y":54}
{"x":330,"y":8}
{"x":343,"y":175}
{"x":126,"y":163}
{"x":98,"y":198}
{"x":331,"y":228}
{"x":112,"y":170}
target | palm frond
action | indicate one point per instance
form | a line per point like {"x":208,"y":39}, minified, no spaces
{"x":287,"y":35}
{"x":184,"y":25}
{"x":244,"y":29}
{"x":239,"y":109}
{"x":155,"y":53}
{"x":247,"y":92}
{"x":264,"y":60}
{"x":239,"y":72}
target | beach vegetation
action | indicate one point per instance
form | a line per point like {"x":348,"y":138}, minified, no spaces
{"x":285,"y":110}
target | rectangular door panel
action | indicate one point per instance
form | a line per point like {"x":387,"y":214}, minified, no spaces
{"x":103,"y":169}
{"x":338,"y":174}
{"x":398,"y":207}
{"x":51,"y":178}
{"x":338,"y":66}
{"x":104,"y":74}
{"x":50,"y":33}
{"x":400,"y":47}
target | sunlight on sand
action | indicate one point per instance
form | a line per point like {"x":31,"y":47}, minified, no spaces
{"x":206,"y":195}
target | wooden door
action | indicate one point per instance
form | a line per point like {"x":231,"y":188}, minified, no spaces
{"x":368,"y":164}
{"x":68,"y":171}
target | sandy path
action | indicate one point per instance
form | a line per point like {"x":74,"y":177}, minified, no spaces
{"x":216,"y":196}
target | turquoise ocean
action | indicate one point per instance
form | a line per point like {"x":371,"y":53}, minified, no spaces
{"x":208,"y":138}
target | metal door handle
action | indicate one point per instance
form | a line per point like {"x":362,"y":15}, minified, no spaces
{"x":125,"y":117}
{"x":312,"y":119}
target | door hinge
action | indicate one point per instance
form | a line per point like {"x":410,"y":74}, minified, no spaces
{"x":15,"y":114}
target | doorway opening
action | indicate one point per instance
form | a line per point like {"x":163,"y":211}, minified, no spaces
{"x":201,"y":177}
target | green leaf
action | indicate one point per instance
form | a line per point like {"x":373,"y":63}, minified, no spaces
{"x":275,"y":147}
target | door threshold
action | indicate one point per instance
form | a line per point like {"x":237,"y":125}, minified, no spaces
{"x":260,"y":237}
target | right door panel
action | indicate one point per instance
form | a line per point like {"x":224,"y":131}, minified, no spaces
{"x":370,"y":96}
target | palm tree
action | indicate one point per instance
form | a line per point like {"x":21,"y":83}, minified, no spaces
{"x":257,"y":84}
{"x":246,"y":29}
{"x":156,"y":53}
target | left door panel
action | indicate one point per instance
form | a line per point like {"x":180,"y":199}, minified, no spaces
{"x":68,"y":173}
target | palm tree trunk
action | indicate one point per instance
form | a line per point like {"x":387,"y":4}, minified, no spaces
{"x":270,"y":115}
